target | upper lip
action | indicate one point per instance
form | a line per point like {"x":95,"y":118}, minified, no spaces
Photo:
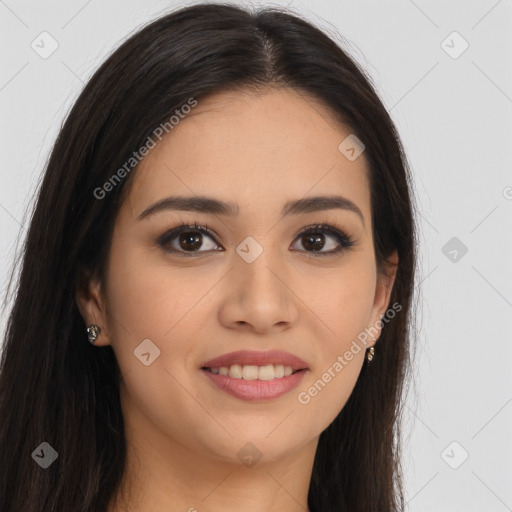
{"x":257,"y":358}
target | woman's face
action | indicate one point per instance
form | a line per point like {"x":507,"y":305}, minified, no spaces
{"x":253,"y":284}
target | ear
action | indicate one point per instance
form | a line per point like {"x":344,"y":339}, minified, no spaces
{"x":383,"y":293}
{"x":90,"y":302}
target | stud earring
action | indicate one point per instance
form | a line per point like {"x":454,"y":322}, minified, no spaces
{"x":370,"y":354}
{"x":92,"y":333}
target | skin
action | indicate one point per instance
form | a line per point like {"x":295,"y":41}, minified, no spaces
{"x":259,"y":150}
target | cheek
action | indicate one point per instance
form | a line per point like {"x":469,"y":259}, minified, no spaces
{"x":151,"y":301}
{"x":343,"y":308}
{"x":342,"y":301}
{"x":148,"y":299}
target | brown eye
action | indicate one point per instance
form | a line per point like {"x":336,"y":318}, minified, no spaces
{"x":197,"y":239}
{"x":313,"y":242}
{"x":188,"y":239}
{"x":314,"y":239}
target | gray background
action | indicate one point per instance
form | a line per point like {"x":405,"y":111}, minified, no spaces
{"x":453,"y":113}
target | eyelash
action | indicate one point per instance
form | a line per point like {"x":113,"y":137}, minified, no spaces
{"x":344,"y":240}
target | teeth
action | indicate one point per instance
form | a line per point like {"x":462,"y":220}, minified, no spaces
{"x":252,"y":372}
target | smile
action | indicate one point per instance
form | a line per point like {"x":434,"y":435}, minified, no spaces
{"x":254,"y":383}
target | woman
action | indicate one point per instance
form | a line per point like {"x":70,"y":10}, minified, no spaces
{"x":216,"y":287}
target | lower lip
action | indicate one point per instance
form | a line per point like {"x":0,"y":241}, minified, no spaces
{"x":256,"y":390}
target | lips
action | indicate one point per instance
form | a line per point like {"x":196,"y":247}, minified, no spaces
{"x":255,"y":390}
{"x":257,"y":358}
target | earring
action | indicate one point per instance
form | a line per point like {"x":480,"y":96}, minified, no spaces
{"x":370,"y":355}
{"x":92,"y":333}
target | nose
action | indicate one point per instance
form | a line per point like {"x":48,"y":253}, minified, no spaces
{"x":258,"y":297}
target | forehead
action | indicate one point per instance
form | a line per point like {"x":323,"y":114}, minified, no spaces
{"x":255,"y":148}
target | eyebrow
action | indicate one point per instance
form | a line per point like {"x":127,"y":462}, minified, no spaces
{"x":209,"y":205}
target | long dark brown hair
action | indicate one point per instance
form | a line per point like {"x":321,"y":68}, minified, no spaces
{"x":57,"y":388}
